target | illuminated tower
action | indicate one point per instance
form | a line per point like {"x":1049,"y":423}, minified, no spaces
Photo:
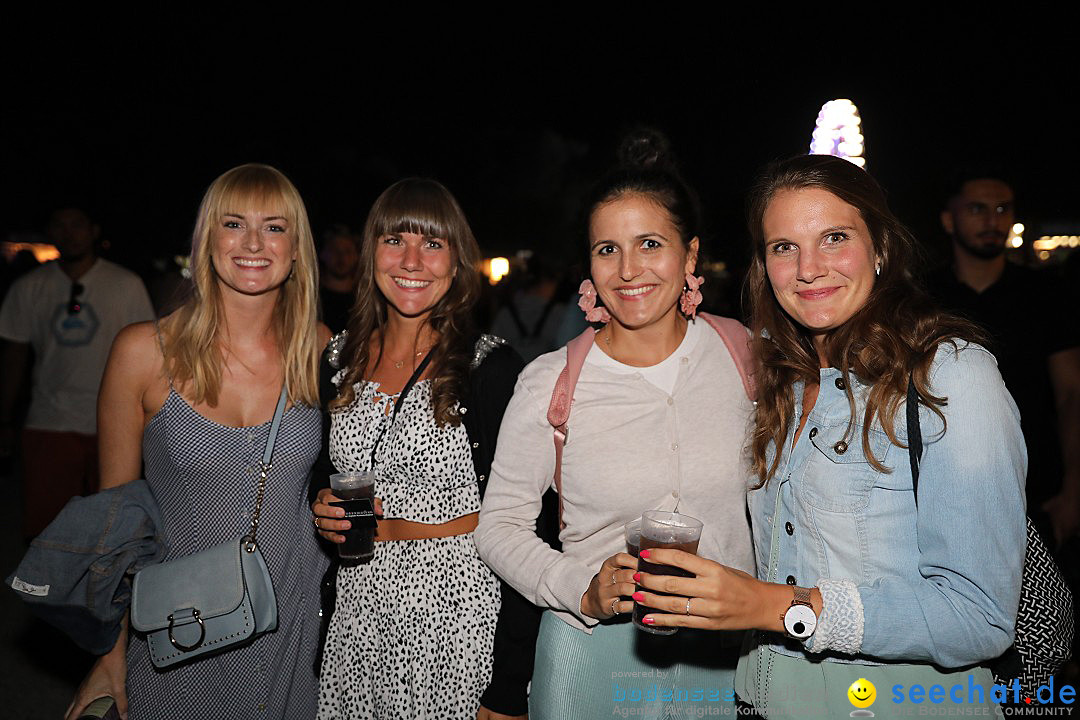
{"x":838,"y":133}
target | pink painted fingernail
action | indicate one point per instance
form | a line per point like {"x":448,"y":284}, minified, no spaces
{"x":648,"y":620}
{"x":637,"y":577}
{"x":644,"y":554}
{"x":639,"y":596}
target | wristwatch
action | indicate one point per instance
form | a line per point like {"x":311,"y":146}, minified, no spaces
{"x":800,"y":621}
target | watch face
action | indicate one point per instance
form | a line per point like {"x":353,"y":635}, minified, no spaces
{"x":800,"y":621}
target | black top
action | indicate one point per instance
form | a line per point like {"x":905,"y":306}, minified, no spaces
{"x":1026,"y":313}
{"x":491,"y":385}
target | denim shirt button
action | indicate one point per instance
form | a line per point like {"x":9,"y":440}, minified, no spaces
{"x":789,"y":528}
{"x":840,"y":384}
{"x":813,"y":433}
{"x":840,"y":447}
{"x":790,"y":579}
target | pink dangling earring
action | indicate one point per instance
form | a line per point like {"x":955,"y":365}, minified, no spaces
{"x":691,"y":296}
{"x":588,"y":303}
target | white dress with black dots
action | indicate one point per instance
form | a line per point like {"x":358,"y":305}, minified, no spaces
{"x":413,"y":629}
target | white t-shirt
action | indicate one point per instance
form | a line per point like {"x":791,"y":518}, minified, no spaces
{"x":70,"y":349}
{"x":664,"y":374}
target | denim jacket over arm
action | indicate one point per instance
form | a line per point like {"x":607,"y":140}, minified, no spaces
{"x":77,"y":574}
{"x":939,"y":583}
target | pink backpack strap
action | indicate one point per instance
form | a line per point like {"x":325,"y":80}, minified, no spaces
{"x":562,"y":398}
{"x":737,"y":340}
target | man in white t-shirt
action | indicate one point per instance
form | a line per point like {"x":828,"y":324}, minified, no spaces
{"x":67,"y":312}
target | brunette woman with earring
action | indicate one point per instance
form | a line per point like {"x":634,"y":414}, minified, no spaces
{"x":862,"y":573}
{"x":658,"y":423}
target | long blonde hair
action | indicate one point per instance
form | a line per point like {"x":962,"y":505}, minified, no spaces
{"x":192,"y":348}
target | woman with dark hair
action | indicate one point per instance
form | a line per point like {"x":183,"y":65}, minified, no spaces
{"x":412,"y":631}
{"x":861,"y":577}
{"x":659,"y":417}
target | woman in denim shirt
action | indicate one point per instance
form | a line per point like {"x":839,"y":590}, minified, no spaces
{"x":856,"y":583}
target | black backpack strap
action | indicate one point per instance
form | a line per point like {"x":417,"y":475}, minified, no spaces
{"x":914,"y":434}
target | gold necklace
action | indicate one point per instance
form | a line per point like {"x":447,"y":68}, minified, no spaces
{"x":401,"y":363}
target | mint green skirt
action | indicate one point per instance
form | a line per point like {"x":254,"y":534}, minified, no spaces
{"x":782,"y":686}
{"x":621,"y":672}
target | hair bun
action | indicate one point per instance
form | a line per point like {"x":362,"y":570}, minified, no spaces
{"x":646,"y":149}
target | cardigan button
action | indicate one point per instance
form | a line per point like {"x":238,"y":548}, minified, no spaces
{"x":483,"y":477}
{"x":840,"y":447}
{"x":840,"y":384}
{"x":813,"y":433}
{"x":475,"y":445}
{"x":789,"y":528}
{"x":462,"y":411}
{"x":790,"y":579}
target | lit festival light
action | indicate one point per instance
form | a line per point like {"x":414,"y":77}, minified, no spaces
{"x":837,"y":132}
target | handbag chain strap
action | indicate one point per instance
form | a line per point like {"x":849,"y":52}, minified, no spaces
{"x":264,"y":469}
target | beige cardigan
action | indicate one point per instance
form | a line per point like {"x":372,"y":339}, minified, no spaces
{"x":630,"y":447}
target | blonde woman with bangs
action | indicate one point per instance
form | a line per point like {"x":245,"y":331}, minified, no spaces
{"x":191,"y":398}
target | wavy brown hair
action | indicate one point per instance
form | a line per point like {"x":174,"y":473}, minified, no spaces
{"x":893,"y":336}
{"x":424,"y":207}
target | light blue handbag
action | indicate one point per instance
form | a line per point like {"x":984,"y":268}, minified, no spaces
{"x":211,"y":601}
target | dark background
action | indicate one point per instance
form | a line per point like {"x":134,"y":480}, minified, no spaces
{"x":517,"y":120}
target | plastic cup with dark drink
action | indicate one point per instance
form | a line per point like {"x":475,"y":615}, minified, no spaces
{"x":663,"y":529}
{"x":357,"y":493}
{"x":632,"y":531}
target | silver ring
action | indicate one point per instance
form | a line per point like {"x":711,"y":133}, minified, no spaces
{"x":317,"y":523}
{"x":613,"y":580}
{"x":614,"y":602}
{"x":688,"y":605}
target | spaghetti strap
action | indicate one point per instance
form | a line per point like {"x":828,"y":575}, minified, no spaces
{"x":161,"y":346}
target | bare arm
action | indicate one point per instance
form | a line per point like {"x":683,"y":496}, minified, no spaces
{"x":133,"y":366}
{"x":108,"y":676}
{"x":1064,"y":508}
{"x":15,"y":361}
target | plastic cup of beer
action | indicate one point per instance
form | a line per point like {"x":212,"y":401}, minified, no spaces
{"x":632,"y":532}
{"x":664,"y":529}
{"x":357,"y":492}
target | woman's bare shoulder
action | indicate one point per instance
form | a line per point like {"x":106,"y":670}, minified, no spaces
{"x":136,"y":352}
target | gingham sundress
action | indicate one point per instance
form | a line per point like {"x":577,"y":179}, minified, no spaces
{"x":203,"y":476}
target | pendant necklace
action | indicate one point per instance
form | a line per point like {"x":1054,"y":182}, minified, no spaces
{"x":401,"y":363}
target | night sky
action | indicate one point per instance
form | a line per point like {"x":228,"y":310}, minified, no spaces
{"x":518,"y":122}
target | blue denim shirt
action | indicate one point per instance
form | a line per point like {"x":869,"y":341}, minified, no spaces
{"x":939,"y":583}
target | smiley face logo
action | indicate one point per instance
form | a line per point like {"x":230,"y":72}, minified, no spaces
{"x":862,"y":693}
